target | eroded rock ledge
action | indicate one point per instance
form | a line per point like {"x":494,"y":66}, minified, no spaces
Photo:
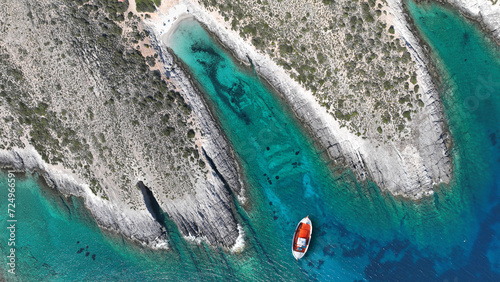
{"x":209,"y":214}
{"x":114,"y":216}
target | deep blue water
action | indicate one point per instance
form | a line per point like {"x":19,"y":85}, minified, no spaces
{"x":470,"y":66}
{"x":359,"y":232}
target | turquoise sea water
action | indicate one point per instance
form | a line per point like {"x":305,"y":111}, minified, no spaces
{"x":359,"y":233}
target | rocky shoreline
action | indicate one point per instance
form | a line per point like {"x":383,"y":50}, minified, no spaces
{"x":484,"y":12}
{"x":200,"y":220}
{"x":227,"y":184}
{"x":410,"y":169}
{"x":137,"y":225}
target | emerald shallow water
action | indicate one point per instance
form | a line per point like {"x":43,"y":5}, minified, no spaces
{"x":359,"y":232}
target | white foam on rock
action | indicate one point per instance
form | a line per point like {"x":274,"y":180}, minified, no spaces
{"x":240,"y":241}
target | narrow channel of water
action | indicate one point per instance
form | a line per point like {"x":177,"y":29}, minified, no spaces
{"x":356,"y":221}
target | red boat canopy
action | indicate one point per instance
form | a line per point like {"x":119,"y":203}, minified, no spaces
{"x":303,"y":231}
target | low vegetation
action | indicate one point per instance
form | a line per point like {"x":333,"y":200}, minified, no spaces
{"x":148,"y":6}
{"x":77,"y":89}
{"x":342,"y":51}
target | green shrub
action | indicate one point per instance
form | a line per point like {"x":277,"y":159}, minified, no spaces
{"x":169,"y":130}
{"x":321,"y":58}
{"x":146,"y":5}
{"x":413,"y":79}
{"x":284,"y":49}
{"x":407,"y":115}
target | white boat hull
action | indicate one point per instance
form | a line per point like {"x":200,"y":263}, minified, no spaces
{"x":299,"y":255}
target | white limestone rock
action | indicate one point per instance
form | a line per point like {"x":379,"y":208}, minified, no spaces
{"x":485,"y":12}
{"x":113,"y":215}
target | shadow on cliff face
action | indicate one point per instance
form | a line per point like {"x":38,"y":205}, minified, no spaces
{"x":151,"y":204}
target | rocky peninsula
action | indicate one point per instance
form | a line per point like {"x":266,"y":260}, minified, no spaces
{"x":84,"y":105}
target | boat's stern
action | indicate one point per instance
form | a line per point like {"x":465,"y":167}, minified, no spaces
{"x":297,"y":255}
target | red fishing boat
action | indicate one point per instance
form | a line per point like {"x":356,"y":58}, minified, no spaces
{"x":302,"y":238}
